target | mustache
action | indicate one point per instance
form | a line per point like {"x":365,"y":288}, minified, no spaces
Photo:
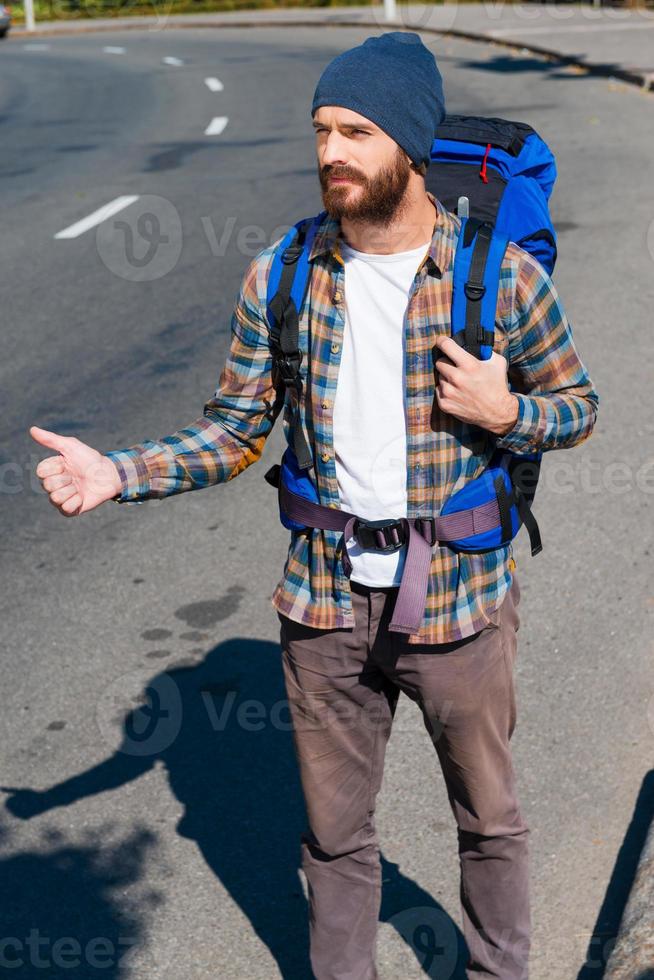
{"x":330,"y":171}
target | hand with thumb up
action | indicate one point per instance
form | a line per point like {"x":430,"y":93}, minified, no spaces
{"x":79,"y":478}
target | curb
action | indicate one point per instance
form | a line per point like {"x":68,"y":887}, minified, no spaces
{"x":632,"y":957}
{"x":641,"y":80}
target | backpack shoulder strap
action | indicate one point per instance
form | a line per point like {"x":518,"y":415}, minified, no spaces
{"x":477,"y":264}
{"x":479,"y":253}
{"x":289,"y":272}
{"x":287,"y":286}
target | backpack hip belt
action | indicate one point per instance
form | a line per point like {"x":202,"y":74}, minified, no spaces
{"x":421,"y":533}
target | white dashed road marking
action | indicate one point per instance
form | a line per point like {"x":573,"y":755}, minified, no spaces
{"x":106,"y":211}
{"x":109,"y":49}
{"x":172,"y":61}
{"x":216,"y":126}
{"x":36,"y":47}
{"x":214,"y":84}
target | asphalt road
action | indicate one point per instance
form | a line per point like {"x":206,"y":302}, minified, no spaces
{"x":179,"y":858}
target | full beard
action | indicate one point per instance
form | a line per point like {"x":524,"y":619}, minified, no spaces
{"x":381,"y":200}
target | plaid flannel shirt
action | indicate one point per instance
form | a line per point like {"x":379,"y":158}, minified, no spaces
{"x":557,"y":409}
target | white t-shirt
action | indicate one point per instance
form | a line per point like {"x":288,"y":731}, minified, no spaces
{"x":369,"y":413}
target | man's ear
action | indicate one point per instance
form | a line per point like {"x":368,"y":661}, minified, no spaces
{"x":419,"y":168}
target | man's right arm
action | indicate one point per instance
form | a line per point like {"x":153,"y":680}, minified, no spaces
{"x":236,"y":421}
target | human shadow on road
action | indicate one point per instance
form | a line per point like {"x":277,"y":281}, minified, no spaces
{"x":221,"y":727}
{"x":62,"y":906}
{"x":617,"y":892}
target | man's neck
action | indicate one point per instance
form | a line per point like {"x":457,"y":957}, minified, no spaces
{"x":413,"y":227}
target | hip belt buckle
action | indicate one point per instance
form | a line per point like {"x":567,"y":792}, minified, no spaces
{"x":385,"y":535}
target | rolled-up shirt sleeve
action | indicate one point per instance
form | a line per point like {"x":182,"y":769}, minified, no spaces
{"x":557,"y":400}
{"x":237,"y":419}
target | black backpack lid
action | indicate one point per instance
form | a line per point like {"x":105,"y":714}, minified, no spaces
{"x":502,"y":133}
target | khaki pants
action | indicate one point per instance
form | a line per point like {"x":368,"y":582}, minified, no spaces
{"x":343,"y":686}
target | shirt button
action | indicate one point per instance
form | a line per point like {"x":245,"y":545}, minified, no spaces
{"x":325,"y":457}
{"x":334,"y":506}
{"x":338,"y":296}
{"x":335,"y":348}
{"x":324,"y":404}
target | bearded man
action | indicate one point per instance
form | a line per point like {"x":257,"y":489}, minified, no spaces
{"x":389,"y":439}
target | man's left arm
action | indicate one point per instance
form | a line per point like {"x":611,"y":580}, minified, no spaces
{"x":556,"y":399}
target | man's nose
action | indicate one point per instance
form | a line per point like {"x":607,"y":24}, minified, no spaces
{"x":334,"y":150}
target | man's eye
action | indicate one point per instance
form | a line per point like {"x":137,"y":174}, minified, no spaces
{"x":323,"y":129}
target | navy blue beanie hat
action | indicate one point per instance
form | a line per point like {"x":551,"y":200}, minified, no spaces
{"x":394,"y":81}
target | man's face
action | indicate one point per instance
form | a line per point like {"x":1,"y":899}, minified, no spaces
{"x":363,"y":173}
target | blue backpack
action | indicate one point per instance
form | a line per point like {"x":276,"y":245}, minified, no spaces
{"x":497,"y":176}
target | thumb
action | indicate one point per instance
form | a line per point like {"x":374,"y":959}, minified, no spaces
{"x":46,"y":438}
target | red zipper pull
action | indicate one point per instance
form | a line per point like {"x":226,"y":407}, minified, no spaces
{"x":482,"y":172}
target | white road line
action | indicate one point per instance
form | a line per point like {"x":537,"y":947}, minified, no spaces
{"x":36,"y":47}
{"x":214,"y":84}
{"x":172,"y":61}
{"x":216,"y":126}
{"x":106,"y":211}
{"x":113,"y":50}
